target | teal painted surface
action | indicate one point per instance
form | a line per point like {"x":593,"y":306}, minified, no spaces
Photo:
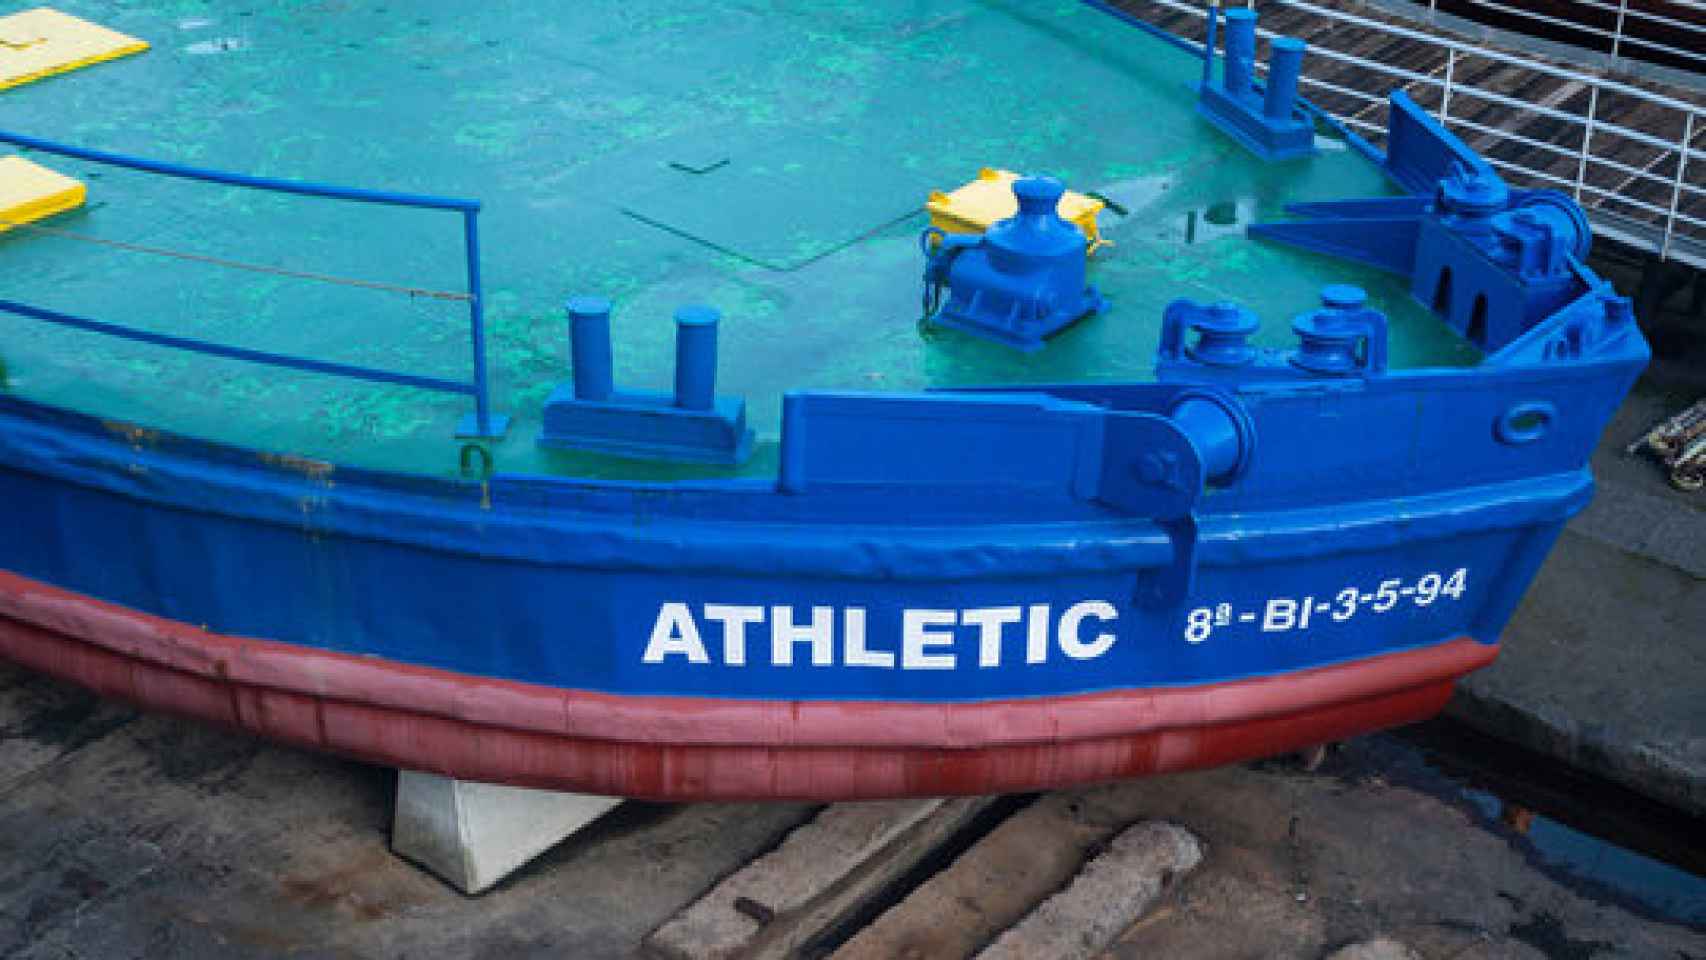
{"x":565,"y":120}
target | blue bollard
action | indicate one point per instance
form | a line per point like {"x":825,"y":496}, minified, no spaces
{"x":1285,"y":62}
{"x":691,"y":425}
{"x":589,"y":348}
{"x":1240,"y":58}
{"x":696,"y":357}
{"x":1269,"y":125}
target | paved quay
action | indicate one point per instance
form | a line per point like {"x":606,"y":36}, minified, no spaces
{"x":1604,"y":663}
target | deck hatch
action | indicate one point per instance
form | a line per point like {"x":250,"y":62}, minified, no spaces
{"x":783,"y":207}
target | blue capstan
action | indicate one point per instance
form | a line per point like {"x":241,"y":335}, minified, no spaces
{"x":1018,"y":283}
{"x":1344,"y":337}
{"x":692,"y":424}
{"x":1492,"y":262}
{"x":1267,"y":122}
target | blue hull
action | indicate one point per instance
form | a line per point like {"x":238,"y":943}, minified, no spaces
{"x":1397,"y":539}
{"x":1122,"y":571}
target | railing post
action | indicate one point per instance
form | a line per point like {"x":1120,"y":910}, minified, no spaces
{"x":1676,"y":188}
{"x":1445,"y":95}
{"x":1617,"y":35}
{"x":484,"y":425}
{"x":1587,"y":142}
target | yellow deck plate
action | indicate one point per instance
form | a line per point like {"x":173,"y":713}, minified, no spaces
{"x":989,"y":199}
{"x":30,"y":191}
{"x":42,"y":41}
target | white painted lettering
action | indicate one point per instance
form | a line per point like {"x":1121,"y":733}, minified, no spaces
{"x":928,"y":638}
{"x":1073,"y":618}
{"x":989,"y":621}
{"x":916,"y":637}
{"x":675,"y":632}
{"x":784,"y":633}
{"x":853,"y":634}
{"x":734,"y":621}
{"x":1036,"y":634}
{"x":1280,"y":614}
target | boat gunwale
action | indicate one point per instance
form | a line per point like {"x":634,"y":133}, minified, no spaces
{"x":632,"y":532}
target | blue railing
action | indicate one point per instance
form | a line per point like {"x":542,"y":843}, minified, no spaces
{"x":485,"y":423}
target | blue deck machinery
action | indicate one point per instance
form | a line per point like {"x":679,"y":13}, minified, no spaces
{"x":1490,"y":260}
{"x":1505,"y":268}
{"x":693,"y":424}
{"x":1018,"y":283}
{"x":1024,"y":279}
{"x":1267,"y":122}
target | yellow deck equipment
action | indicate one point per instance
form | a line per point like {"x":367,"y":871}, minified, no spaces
{"x":42,"y":41}
{"x":29,"y":192}
{"x":983,"y":202}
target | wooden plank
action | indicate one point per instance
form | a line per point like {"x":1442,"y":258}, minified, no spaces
{"x":1111,"y":894}
{"x":822,"y":873}
{"x":990,"y":887}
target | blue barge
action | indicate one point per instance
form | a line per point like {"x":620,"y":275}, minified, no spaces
{"x":1026,"y":570}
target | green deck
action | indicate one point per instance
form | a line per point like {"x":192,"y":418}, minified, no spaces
{"x":836,"y":120}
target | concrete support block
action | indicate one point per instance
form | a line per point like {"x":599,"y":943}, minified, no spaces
{"x":475,"y":834}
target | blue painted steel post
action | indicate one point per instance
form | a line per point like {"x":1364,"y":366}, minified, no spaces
{"x":1240,"y":57}
{"x":696,"y":357}
{"x":1285,"y":62}
{"x":1208,"y":45}
{"x":589,"y":348}
{"x":477,"y":321}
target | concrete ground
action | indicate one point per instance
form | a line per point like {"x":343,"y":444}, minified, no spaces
{"x":1371,"y":845}
{"x":126,"y":835}
{"x":1604,"y":661}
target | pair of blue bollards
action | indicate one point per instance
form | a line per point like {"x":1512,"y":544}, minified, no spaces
{"x":692,"y":424}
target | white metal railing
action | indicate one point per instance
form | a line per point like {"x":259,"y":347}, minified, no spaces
{"x":1627,"y":18}
{"x":1635,"y":159}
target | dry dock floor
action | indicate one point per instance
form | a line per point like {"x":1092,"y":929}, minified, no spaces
{"x":128,"y":835}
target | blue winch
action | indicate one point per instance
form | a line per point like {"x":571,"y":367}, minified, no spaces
{"x":1018,"y":283}
{"x":1491,"y":260}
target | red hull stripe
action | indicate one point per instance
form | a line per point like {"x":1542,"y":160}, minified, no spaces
{"x":683,"y":748}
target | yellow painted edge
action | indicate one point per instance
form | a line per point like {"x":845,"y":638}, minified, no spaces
{"x":125,"y":50}
{"x":70,"y":196}
{"x":43,"y":208}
